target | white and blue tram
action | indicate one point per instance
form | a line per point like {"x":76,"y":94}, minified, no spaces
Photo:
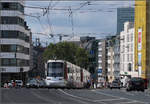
{"x":60,"y":73}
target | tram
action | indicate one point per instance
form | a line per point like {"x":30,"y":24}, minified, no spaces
{"x":60,"y":73}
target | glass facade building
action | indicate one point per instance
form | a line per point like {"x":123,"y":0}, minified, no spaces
{"x":124,"y":15}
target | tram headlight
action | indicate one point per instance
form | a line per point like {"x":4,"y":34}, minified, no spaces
{"x":48,"y":78}
{"x":60,"y":78}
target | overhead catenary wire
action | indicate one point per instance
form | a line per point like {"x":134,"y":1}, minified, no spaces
{"x":48,"y":19}
{"x":48,"y":15}
{"x":85,"y":10}
{"x":71,"y":19}
{"x":71,"y":10}
{"x":77,"y":7}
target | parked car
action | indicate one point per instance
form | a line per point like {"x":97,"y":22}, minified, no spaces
{"x":41,"y":83}
{"x":19,"y":83}
{"x":115,"y":84}
{"x":135,"y":83}
{"x":33,"y":83}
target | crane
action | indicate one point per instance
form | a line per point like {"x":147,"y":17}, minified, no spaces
{"x":60,"y":35}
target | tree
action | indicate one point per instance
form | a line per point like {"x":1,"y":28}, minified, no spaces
{"x":67,"y":51}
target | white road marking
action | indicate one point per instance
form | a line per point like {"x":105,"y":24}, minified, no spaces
{"x":106,"y":94}
{"x":117,"y":97}
{"x":129,"y":93}
{"x":134,"y":101}
{"x":81,"y":98}
{"x":109,"y":99}
{"x":127,"y":102}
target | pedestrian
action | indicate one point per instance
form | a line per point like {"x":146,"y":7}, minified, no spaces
{"x":96,"y":83}
{"x":92,"y":83}
{"x":88,"y":83}
{"x":9,"y":84}
{"x":5,"y":85}
{"x":14,"y":83}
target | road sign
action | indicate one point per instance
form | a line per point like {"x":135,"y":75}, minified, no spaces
{"x":99,"y":71}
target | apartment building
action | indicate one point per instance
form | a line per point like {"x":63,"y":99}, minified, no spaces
{"x":127,"y":51}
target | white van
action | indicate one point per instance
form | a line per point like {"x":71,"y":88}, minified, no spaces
{"x":19,"y":83}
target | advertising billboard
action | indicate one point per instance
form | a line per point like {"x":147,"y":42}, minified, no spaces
{"x":139,"y":58}
{"x":139,"y":39}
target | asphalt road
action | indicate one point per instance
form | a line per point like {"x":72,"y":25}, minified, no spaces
{"x":72,"y":96}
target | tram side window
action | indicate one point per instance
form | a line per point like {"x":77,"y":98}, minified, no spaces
{"x":69,"y":70}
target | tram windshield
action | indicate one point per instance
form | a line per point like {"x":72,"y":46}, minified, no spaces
{"x":55,"y":69}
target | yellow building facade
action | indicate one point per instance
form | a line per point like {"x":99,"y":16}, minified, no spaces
{"x":142,"y":38}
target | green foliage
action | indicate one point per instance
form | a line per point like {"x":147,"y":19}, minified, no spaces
{"x":67,"y":51}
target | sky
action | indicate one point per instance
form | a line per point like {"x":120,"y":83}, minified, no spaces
{"x":73,"y":18}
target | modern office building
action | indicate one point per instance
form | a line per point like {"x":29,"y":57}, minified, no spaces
{"x":123,"y":15}
{"x":15,"y":39}
{"x":142,"y":38}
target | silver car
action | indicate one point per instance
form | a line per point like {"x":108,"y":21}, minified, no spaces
{"x":115,"y":84}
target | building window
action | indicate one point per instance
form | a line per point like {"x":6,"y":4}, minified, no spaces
{"x":132,"y":37}
{"x":100,"y":66}
{"x":14,"y":48}
{"x":123,"y":57}
{"x":129,"y":67}
{"x":8,"y":34}
{"x":5,"y":62}
{"x":5,"y":48}
{"x":131,"y":47}
{"x":8,"y":48}
{"x":14,"y":62}
{"x":123,"y":49}
{"x":5,"y":6}
{"x":128,"y":38}
{"x":109,"y":66}
{"x":128,"y":57}
{"x":131,"y":58}
{"x":127,"y":48}
{"x":14,"y":34}
{"x":12,"y":20}
{"x":11,"y":6}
